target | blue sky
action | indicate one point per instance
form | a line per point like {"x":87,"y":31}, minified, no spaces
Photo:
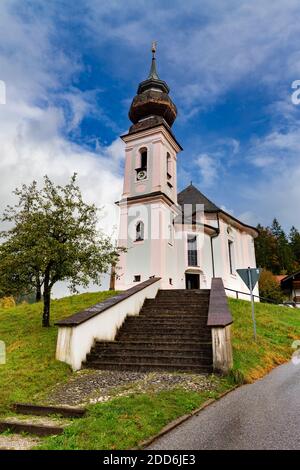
{"x":72,"y":68}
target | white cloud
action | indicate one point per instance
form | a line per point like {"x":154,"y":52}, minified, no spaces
{"x":216,"y":46}
{"x":34,"y":122}
{"x":208,"y":167}
{"x":39,"y":113}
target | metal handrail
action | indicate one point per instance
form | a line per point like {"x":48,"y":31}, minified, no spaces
{"x":237,"y":292}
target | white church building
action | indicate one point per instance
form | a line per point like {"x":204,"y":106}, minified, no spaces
{"x":183,"y":238}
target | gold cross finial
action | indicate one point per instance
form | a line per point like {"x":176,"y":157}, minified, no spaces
{"x":154,"y":44}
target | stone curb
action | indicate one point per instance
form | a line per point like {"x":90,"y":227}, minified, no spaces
{"x":176,"y":422}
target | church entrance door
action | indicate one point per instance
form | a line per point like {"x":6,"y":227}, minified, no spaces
{"x":192,"y":281}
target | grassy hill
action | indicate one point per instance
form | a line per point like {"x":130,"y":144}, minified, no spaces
{"x":277,"y":328}
{"x":31,"y":367}
{"x":31,"y":370}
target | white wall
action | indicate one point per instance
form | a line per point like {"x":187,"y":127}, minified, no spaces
{"x":75,"y":342}
{"x":243,"y":257}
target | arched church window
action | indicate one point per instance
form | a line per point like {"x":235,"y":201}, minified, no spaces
{"x":139,"y":231}
{"x":141,"y":171}
{"x":192,"y":250}
{"x":144,"y":158}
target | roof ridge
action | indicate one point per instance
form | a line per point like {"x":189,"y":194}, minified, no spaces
{"x":194,"y":196}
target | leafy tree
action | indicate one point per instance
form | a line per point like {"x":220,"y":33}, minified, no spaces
{"x":294,"y":237}
{"x":54,"y":237}
{"x":269,"y":287}
{"x":277,"y":252}
{"x":285,"y":255}
{"x":266,"y":249}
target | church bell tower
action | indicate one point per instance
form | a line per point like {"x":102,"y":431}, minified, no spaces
{"x":149,"y":200}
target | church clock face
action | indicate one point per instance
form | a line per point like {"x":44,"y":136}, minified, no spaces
{"x":141,"y":175}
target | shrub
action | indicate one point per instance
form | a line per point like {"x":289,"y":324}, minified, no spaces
{"x":269,"y":287}
{"x":7,"y":302}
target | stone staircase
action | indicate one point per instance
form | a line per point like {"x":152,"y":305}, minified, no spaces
{"x":34,"y":420}
{"x":170,"y":334}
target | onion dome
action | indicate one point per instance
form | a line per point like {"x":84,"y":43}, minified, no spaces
{"x":152,"y":104}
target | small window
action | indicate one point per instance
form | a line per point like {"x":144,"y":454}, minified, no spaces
{"x":231,"y":256}
{"x":137,"y":278}
{"x":169,"y":169}
{"x":139,"y":233}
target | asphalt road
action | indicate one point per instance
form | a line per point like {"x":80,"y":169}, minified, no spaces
{"x":263,"y":415}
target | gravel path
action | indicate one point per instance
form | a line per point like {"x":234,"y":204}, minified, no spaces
{"x":17,"y":442}
{"x":263,"y":415}
{"x":99,"y":386}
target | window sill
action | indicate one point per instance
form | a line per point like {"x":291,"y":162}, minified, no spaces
{"x":141,"y":181}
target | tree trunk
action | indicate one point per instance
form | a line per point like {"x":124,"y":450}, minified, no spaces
{"x":38,"y":294}
{"x":47,"y":295}
{"x":112,"y":283}
{"x":46,"y":312}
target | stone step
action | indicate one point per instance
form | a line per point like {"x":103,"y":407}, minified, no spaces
{"x":18,"y":426}
{"x":178,"y":302}
{"x":155,"y":318}
{"x":176,"y":312}
{"x":170,"y":315}
{"x":176,"y":308}
{"x":107,"y":365}
{"x":164,"y":345}
{"x":181,"y":299}
{"x":155,"y":352}
{"x":170,"y":338}
{"x":182,"y":292}
{"x":151,"y":359}
{"x":127,"y":354}
{"x":158,"y":329}
{"x":169,"y":349}
{"x":159,"y":323}
{"x":41,"y":410}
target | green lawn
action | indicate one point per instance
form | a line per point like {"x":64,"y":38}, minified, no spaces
{"x":31,"y":368}
{"x":277,"y":328}
{"x":124,"y":422}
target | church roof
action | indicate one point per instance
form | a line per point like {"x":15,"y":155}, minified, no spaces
{"x":152,"y":99}
{"x":192,"y":195}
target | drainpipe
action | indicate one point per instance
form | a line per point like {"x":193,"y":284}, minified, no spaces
{"x":212,"y":246}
